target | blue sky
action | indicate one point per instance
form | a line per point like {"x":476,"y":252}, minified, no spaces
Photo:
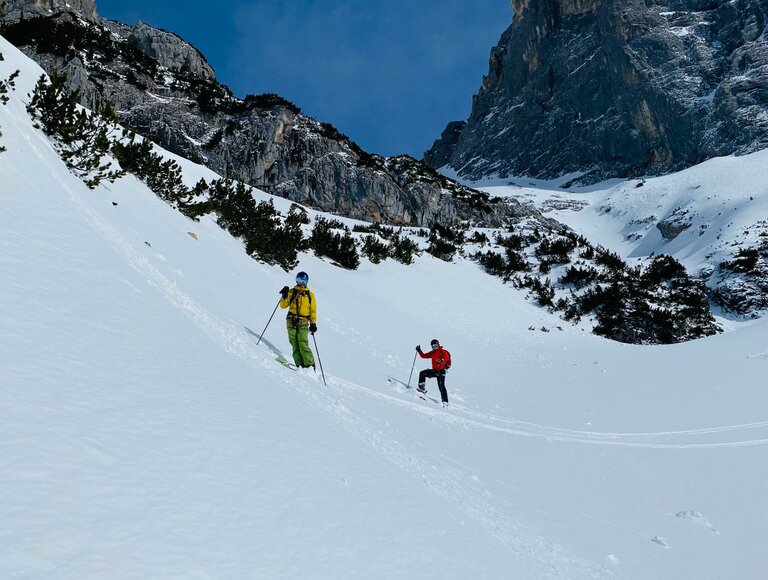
{"x":388,"y":73}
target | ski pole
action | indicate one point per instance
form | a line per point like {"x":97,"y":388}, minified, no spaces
{"x":413,"y":366}
{"x":268,"y":321}
{"x":318,"y":359}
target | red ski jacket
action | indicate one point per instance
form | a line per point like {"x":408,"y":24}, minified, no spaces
{"x":441,"y":358}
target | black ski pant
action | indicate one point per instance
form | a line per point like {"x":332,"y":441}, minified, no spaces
{"x":431,"y":374}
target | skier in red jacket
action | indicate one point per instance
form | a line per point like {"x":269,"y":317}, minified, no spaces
{"x":441,"y":362}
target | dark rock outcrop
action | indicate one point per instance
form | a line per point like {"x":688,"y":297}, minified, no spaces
{"x":164,"y":89}
{"x":170,"y":51}
{"x":22,"y":9}
{"x":616,"y":88}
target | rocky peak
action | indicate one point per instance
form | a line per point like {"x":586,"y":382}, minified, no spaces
{"x":170,"y":50}
{"x":617,"y":88}
{"x":19,"y":9}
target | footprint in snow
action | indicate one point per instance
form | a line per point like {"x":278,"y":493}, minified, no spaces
{"x":697,"y":519}
{"x":661,"y":541}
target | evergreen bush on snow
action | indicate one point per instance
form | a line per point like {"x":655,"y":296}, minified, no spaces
{"x":385,"y":232}
{"x":480,"y":238}
{"x":339,"y":248}
{"x":267,"y":235}
{"x":556,"y":251}
{"x":374,"y":249}
{"x":444,"y":242}
{"x":744,"y":262}
{"x":441,"y":249}
{"x":6,"y":85}
{"x":578,"y":276}
{"x":163,"y":176}
{"x":504,"y":265}
{"x":403,"y":249}
{"x":82,"y":138}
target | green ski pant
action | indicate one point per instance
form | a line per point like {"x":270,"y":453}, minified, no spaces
{"x":298,"y":336}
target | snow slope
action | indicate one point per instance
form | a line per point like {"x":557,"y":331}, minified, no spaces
{"x":719,"y":207}
{"x":144,"y":434}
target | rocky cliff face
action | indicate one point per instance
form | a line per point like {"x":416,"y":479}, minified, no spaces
{"x":169,"y":50}
{"x":616,"y":88}
{"x":165,"y":90}
{"x":20,"y":9}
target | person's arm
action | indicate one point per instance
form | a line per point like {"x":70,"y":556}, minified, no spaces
{"x":421,"y":354}
{"x":312,"y":313}
{"x":447,"y":359}
{"x":284,"y":300}
{"x":312,"y":308}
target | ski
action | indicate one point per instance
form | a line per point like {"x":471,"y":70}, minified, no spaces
{"x":423,"y":396}
{"x":286,"y":364}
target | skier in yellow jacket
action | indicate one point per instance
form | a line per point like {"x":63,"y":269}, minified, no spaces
{"x":301,"y":319}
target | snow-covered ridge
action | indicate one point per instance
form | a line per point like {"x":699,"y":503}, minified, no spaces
{"x":703,"y":216}
{"x":143,"y":434}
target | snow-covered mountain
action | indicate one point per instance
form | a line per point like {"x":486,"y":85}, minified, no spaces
{"x":145,"y":434}
{"x":623,"y":88}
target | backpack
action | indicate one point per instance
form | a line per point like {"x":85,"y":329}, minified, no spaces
{"x":449,"y":360}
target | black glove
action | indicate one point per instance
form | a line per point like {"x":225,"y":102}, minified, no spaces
{"x":418,"y":348}
{"x":313,"y":328}
{"x":440,"y":361}
{"x":284,"y":292}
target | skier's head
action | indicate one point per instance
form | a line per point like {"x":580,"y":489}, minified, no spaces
{"x":302,"y":278}
{"x":435,"y":343}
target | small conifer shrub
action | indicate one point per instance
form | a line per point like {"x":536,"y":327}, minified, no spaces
{"x":339,"y":248}
{"x":82,"y":139}
{"x":6,"y":85}
{"x":745,"y":261}
{"x":403,"y":249}
{"x":374,"y":249}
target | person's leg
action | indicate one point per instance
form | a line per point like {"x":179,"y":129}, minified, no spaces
{"x":423,"y":376}
{"x":308,"y":359}
{"x":293,"y":338}
{"x":441,"y":385}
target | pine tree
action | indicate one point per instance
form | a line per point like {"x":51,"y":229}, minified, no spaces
{"x":339,"y":248}
{"x":403,"y":249}
{"x":267,"y":235}
{"x":374,"y":249}
{"x":288,"y":240}
{"x":7,"y":84}
{"x":82,"y":139}
{"x":163,"y":176}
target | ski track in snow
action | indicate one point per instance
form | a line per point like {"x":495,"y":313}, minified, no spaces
{"x":512,"y":535}
{"x":477,"y":419}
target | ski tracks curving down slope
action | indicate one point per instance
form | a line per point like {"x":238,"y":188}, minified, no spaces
{"x":468,"y":502}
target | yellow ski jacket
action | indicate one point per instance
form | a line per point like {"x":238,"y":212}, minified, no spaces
{"x":301,"y":302}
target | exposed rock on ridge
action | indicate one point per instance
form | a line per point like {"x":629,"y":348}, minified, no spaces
{"x":170,"y":50}
{"x":20,"y":9}
{"x":617,"y":88}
